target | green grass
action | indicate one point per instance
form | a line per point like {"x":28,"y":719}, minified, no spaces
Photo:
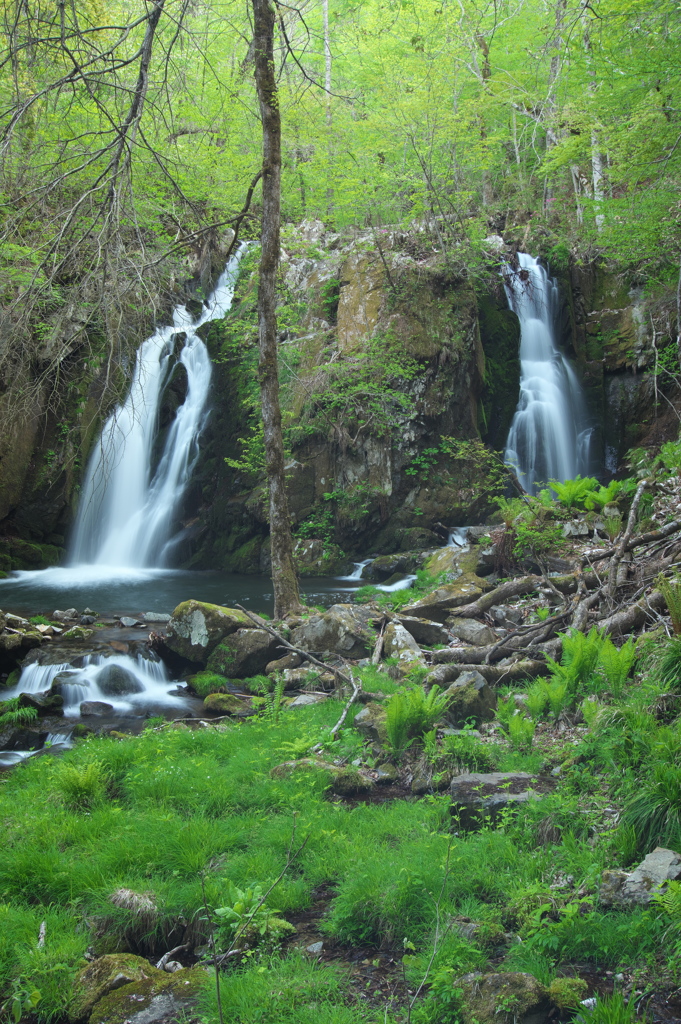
{"x":157,"y":812}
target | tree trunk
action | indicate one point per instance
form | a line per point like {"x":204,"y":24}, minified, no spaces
{"x":284,"y":578}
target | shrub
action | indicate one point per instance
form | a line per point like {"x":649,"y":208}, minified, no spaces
{"x":247,"y":918}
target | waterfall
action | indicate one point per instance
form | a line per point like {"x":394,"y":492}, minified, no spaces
{"x":127,"y":508}
{"x":550,"y":436}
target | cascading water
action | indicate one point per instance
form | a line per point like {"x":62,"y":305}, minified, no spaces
{"x":550,"y":436}
{"x":126,"y":512}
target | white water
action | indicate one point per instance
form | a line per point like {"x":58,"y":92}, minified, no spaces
{"x":550,"y":435}
{"x":356,"y":573}
{"x":151,"y":678}
{"x":458,"y":538}
{"x":127,"y":509}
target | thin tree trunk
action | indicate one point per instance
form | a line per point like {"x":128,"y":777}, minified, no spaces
{"x":284,"y":578}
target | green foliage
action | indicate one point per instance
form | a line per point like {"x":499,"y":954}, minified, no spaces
{"x":11,"y":715}
{"x":82,"y":786}
{"x":247,"y":918}
{"x":670,"y":588}
{"x":272,"y":699}
{"x":653,"y":811}
{"x":40,"y":620}
{"x":574,"y":493}
{"x":613,"y":1009}
{"x":411,"y":714}
{"x":208,"y":682}
{"x":668,"y":664}
{"x":521,"y":732}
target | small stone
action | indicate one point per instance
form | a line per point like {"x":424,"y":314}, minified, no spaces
{"x":161,"y":617}
{"x":303,"y":699}
{"x":173,"y":966}
{"x":88,"y":611}
{"x":386,"y":774}
{"x":87,"y":620}
{"x":127,"y":621}
{"x":315,"y":948}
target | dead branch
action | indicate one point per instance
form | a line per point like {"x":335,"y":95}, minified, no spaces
{"x":620,"y":548}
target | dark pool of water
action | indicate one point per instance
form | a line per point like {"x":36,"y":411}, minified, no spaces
{"x":133,"y":591}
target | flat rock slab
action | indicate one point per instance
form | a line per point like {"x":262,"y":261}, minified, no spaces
{"x":95,"y":708}
{"x":472,"y":631}
{"x":307,"y":698}
{"x":478,"y":797}
{"x":424,"y":631}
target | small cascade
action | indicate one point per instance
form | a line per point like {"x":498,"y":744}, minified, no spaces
{"x":120,"y":680}
{"x":458,"y":537}
{"x":403,"y":584}
{"x":356,"y":573}
{"x":550,"y":436}
{"x":127,"y":508}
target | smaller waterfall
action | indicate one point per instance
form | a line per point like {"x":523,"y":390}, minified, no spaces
{"x":356,"y":573}
{"x":550,"y":436}
{"x":126,"y":511}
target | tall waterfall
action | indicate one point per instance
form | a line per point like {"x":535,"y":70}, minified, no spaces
{"x":127,"y":507}
{"x":550,"y":434}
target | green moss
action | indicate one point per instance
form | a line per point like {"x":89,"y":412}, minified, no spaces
{"x":567,"y":993}
{"x":184,"y":987}
{"x":224,"y":704}
{"x":223,"y":659}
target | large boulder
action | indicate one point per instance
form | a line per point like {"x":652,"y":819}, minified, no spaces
{"x":509,"y":997}
{"x":424,"y":631}
{"x":470,"y":697}
{"x":438,"y":604}
{"x":196,"y":628}
{"x":478,"y":797}
{"x":44,"y":703}
{"x":116,"y":681}
{"x":342,"y":630}
{"x":471,"y":631}
{"x":398,"y":643}
{"x":247,"y":652}
{"x":630,"y":888}
{"x":226,"y":704}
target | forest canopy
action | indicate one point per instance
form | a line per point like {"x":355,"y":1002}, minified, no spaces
{"x":137,"y":124}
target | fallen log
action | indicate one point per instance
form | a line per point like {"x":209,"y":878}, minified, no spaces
{"x":634,"y":616}
{"x":443,"y":675}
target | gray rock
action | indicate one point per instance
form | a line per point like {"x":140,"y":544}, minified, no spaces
{"x":424,"y":631}
{"x":479,"y":797}
{"x":128,"y":621}
{"x":315,"y":948}
{"x":88,"y":611}
{"x":196,"y":628}
{"x":160,"y":617}
{"x":16,"y":621}
{"x":87,"y":620}
{"x":370,"y":723}
{"x":576,"y":529}
{"x":470,"y":697}
{"x":291,"y":660}
{"x":471,"y":631}
{"x":342,"y":630}
{"x":635,"y":888}
{"x":247,"y":652}
{"x":116,"y":681}
{"x":95,"y":708}
{"x":65,"y":678}
{"x":504,"y":615}
{"x":398,"y":643}
{"x":307,"y":698}
{"x":65,"y":616}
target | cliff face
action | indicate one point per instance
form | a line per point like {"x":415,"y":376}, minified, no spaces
{"x":387,"y":353}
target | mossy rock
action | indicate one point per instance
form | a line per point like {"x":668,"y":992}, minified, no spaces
{"x":319,"y":770}
{"x":196,"y":628}
{"x":567,"y":993}
{"x":224,"y":704}
{"x":247,"y":652}
{"x":105,"y":974}
{"x":351,"y":782}
{"x":161,"y":996}
{"x":509,"y":997}
{"x":13,"y":678}
{"x":205,"y":683}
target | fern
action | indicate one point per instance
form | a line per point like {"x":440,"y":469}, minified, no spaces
{"x":604,"y":495}
{"x":574,"y":493}
{"x":615,"y":664}
{"x":83,"y":785}
{"x":557,"y":695}
{"x":537,"y":699}
{"x":670,"y":588}
{"x":521,"y":732}
{"x":397,"y":722}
